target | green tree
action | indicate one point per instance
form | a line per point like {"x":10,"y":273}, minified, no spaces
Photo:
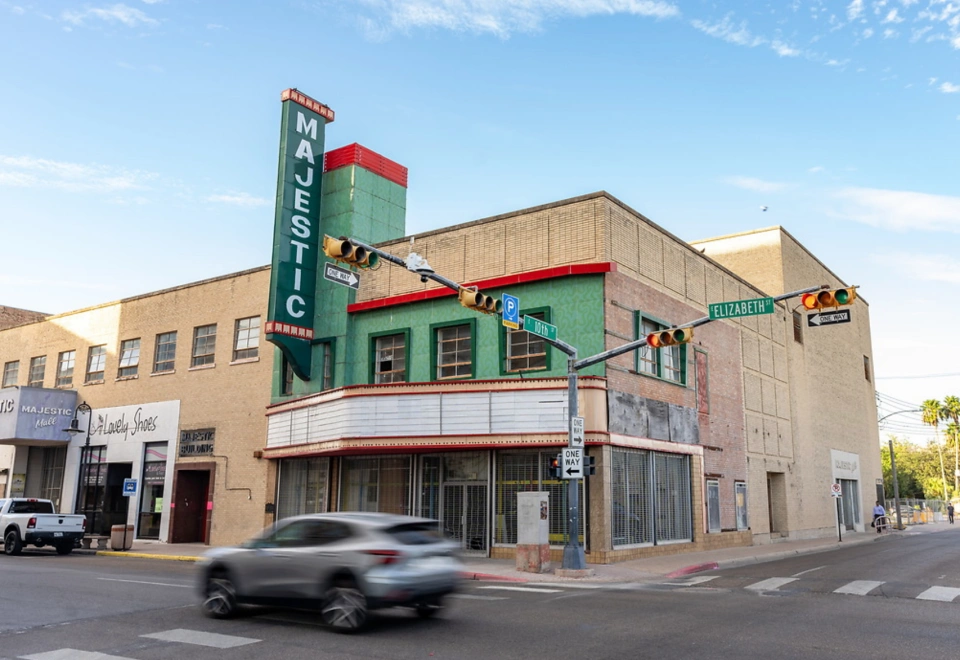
{"x":951,"y":411}
{"x":932,"y":413}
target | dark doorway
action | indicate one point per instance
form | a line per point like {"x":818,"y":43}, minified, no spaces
{"x":103,"y":499}
{"x":190,"y":506}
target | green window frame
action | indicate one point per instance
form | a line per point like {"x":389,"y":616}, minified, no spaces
{"x":507,"y":334}
{"x":393,"y":376}
{"x":435,"y":331}
{"x":327,"y":359}
{"x":669,"y":363}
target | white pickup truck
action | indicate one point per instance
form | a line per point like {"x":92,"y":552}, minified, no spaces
{"x":29,"y":521}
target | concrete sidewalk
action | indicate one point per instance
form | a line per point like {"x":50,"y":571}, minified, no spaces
{"x":637,"y":570}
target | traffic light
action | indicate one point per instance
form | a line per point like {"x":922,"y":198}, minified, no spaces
{"x":480,"y":302}
{"x":829,"y":298}
{"x":343,"y":250}
{"x":589,"y":466}
{"x":555,"y":469}
{"x":670,"y":337}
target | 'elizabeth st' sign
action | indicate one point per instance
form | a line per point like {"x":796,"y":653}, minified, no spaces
{"x":296,"y":231}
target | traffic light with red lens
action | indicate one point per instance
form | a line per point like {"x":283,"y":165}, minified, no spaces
{"x":670,"y":337}
{"x":554,"y":469}
{"x":829,"y":298}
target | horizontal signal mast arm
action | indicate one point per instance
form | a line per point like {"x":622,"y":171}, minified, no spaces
{"x":639,"y":343}
{"x":440,"y":279}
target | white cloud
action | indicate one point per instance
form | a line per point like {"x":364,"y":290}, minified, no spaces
{"x":893,"y":17}
{"x":119,"y":13}
{"x":240,"y":199}
{"x":949,"y":88}
{"x":955,"y":42}
{"x":216,"y":26}
{"x":816,"y":169}
{"x":29,"y":172}
{"x":867,"y":33}
{"x":925,"y":267}
{"x":757,"y":185}
{"x":931,"y":81}
{"x":900,"y":210}
{"x":726,"y":30}
{"x":19,"y":11}
{"x":783,"y":50}
{"x":890,"y":34}
{"x":917,"y":34}
{"x":498,"y":17}
{"x":855,"y":10}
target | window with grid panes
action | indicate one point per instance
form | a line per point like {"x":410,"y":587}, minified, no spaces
{"x":246,"y":343}
{"x":11,"y":373}
{"x":204,"y":345}
{"x":96,"y":361}
{"x":454,"y":352}
{"x":165,"y":352}
{"x":129,"y":358}
{"x":65,"y":364}
{"x":327,"y":366}
{"x":648,"y":358}
{"x":526,"y":351}
{"x":668,"y":362}
{"x":38,"y":366}
{"x":390,"y":359}
{"x":286,"y":384}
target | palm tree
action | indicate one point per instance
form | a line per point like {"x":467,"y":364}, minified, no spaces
{"x":951,"y":411}
{"x":932,"y":412}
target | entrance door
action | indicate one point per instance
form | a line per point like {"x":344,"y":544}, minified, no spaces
{"x":115,"y":503}
{"x":850,"y":502}
{"x":465,"y":515}
{"x":190,"y":507}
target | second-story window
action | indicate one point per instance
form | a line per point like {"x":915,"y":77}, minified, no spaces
{"x":454,"y":352}
{"x":798,"y":327}
{"x":668,"y":362}
{"x":204,"y":345}
{"x":525,"y":351}
{"x":648,"y":359}
{"x":166,"y":352}
{"x":38,"y":366}
{"x":129,"y":358}
{"x":96,"y":361}
{"x":390,"y":359}
{"x":246,"y":338}
{"x":11,"y":373}
{"x":327,"y":382}
{"x":65,"y":366}
{"x":286,"y":382}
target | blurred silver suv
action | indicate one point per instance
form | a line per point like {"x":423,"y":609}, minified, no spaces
{"x":342,"y":564}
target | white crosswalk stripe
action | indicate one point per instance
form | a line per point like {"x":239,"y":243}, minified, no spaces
{"x":770,"y":584}
{"x":944,"y":594}
{"x":693,"y":581}
{"x":532,"y":590}
{"x":858,"y":587}
{"x":72,"y":654}
{"x":201,"y":638}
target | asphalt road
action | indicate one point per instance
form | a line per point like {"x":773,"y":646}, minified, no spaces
{"x":63,"y":608}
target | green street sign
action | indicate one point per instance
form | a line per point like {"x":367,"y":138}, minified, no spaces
{"x":539,"y":328}
{"x":754,"y":307}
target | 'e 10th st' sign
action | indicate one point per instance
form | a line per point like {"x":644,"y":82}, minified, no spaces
{"x":296,"y":232}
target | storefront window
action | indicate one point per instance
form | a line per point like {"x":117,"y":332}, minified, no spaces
{"x":151,"y":491}
{"x":302,"y":486}
{"x":93,"y":481}
{"x":376,"y":483}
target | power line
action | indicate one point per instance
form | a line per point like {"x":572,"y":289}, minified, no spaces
{"x":920,"y":376}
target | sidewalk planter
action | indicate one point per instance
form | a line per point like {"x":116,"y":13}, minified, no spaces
{"x":117,"y":540}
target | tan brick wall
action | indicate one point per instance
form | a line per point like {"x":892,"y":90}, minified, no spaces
{"x":228,"y":397}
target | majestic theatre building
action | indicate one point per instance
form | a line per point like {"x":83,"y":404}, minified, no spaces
{"x":386,"y":394}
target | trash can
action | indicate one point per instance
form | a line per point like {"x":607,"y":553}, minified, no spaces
{"x":117,"y":541}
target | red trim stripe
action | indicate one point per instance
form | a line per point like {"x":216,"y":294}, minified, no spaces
{"x":357,"y":154}
{"x":492,"y":283}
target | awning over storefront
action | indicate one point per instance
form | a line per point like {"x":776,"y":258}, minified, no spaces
{"x":35,"y":415}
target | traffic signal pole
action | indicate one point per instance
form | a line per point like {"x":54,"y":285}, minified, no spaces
{"x":573,"y":552}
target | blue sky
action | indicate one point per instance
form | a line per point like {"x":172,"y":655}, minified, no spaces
{"x":138,"y":139}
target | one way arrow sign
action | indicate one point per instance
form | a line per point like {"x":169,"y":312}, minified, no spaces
{"x":341,"y":276}
{"x":572,"y":463}
{"x":832,"y":318}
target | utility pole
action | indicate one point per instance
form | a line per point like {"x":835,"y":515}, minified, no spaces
{"x":893,"y":463}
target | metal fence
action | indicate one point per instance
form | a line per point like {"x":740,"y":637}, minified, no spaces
{"x":917,"y":512}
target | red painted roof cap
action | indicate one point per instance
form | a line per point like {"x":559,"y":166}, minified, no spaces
{"x":356,"y":154}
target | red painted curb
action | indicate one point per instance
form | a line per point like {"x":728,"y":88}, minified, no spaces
{"x":491,"y":576}
{"x":696,"y":568}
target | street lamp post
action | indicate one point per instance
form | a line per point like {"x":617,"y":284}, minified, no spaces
{"x":84,"y":453}
{"x":893,"y":464}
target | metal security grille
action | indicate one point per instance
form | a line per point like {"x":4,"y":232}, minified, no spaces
{"x":454,"y":489}
{"x":527,"y":472}
{"x":674,"y":510}
{"x":651,"y":500}
{"x":302,"y":486}
{"x":376,"y":483}
{"x":632,"y":506}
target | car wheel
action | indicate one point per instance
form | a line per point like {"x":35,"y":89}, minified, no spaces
{"x":429,"y":608}
{"x":221,"y":599}
{"x":64,"y":548}
{"x":11,"y":543}
{"x":344,"y":608}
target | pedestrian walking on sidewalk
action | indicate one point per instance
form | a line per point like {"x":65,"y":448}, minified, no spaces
{"x":878,"y":512}
{"x":950,"y":512}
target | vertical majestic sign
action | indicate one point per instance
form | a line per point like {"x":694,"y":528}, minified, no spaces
{"x":296,"y":231}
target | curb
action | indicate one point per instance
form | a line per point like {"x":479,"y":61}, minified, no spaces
{"x":144,"y":555}
{"x":696,"y":568}
{"x":469,"y":575}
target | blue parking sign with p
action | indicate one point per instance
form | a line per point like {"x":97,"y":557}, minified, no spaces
{"x":511,"y":311}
